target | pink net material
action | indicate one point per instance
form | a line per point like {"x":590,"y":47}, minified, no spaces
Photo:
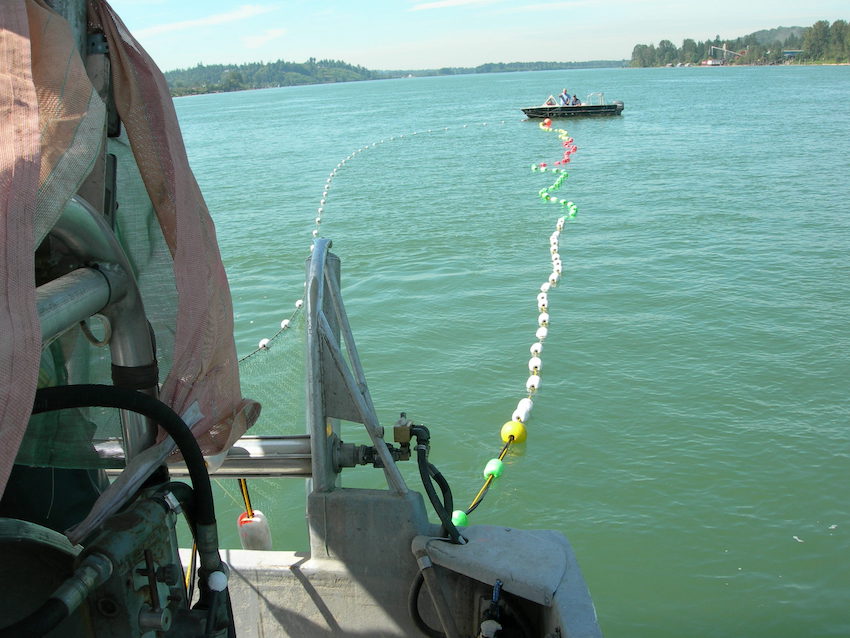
{"x":20,"y":342}
{"x":205,"y":367}
{"x":50,"y":134}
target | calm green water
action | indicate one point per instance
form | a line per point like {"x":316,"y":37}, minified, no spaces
{"x":691,"y":433}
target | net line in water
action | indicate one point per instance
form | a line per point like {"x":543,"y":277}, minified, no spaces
{"x":273,"y":373}
{"x":514,"y":431}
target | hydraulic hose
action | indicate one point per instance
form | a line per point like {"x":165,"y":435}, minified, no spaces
{"x":426,"y":471}
{"x":439,"y":507}
{"x":413,"y":608}
{"x":445,"y":488}
{"x":186,"y":496}
{"x":108,"y":396}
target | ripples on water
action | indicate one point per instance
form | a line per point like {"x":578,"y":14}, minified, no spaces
{"x":693,"y":415}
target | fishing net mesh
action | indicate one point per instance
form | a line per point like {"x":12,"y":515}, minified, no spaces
{"x":274,"y":376}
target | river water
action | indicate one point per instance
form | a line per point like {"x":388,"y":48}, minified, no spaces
{"x":690,"y":436}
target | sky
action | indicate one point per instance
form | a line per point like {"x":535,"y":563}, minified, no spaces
{"x":428,"y":34}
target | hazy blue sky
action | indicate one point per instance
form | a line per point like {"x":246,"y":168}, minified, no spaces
{"x":419,"y":34}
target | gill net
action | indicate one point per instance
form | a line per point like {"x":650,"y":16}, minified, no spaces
{"x":274,"y":375}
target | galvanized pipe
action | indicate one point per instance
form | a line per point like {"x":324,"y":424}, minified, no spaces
{"x":66,"y":301}
{"x":90,"y":239}
{"x":263,"y":457}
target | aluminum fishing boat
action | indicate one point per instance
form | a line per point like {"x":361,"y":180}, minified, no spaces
{"x":118,"y":359}
{"x":594,"y":105}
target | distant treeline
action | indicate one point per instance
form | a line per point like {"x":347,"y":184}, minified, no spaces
{"x":820,"y":43}
{"x":216,"y":78}
{"x":505,"y":67}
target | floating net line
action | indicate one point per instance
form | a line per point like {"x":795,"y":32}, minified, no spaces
{"x":279,"y":359}
{"x":514,"y":431}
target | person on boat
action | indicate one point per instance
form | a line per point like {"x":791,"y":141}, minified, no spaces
{"x":550,"y":101}
{"x":575,"y":100}
{"x":564,"y":98}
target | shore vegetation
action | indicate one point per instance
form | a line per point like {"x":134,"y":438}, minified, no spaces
{"x":219,"y":78}
{"x":821,"y":43}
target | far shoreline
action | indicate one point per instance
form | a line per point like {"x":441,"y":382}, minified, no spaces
{"x":414,"y":77}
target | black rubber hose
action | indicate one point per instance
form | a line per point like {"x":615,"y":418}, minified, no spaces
{"x":422,"y":434}
{"x":445,"y":517}
{"x":231,"y":620}
{"x":108,"y":396}
{"x":210,"y":629}
{"x":445,"y":488}
{"x":186,"y":496}
{"x":413,"y":609}
{"x":41,"y":621}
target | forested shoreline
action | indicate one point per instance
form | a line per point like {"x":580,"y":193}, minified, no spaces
{"x":219,"y":78}
{"x":821,"y":43}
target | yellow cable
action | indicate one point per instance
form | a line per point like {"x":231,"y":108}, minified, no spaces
{"x":243,"y":487}
{"x":490,"y":478}
{"x":504,"y":451}
{"x":480,"y":494}
{"x":190,"y":571}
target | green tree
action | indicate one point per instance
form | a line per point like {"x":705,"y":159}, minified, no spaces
{"x":690,"y":52}
{"x":816,"y":40}
{"x":262,"y":77}
{"x":666,"y":53}
{"x":231,"y":80}
{"x":839,"y":41}
{"x":643,"y":55}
